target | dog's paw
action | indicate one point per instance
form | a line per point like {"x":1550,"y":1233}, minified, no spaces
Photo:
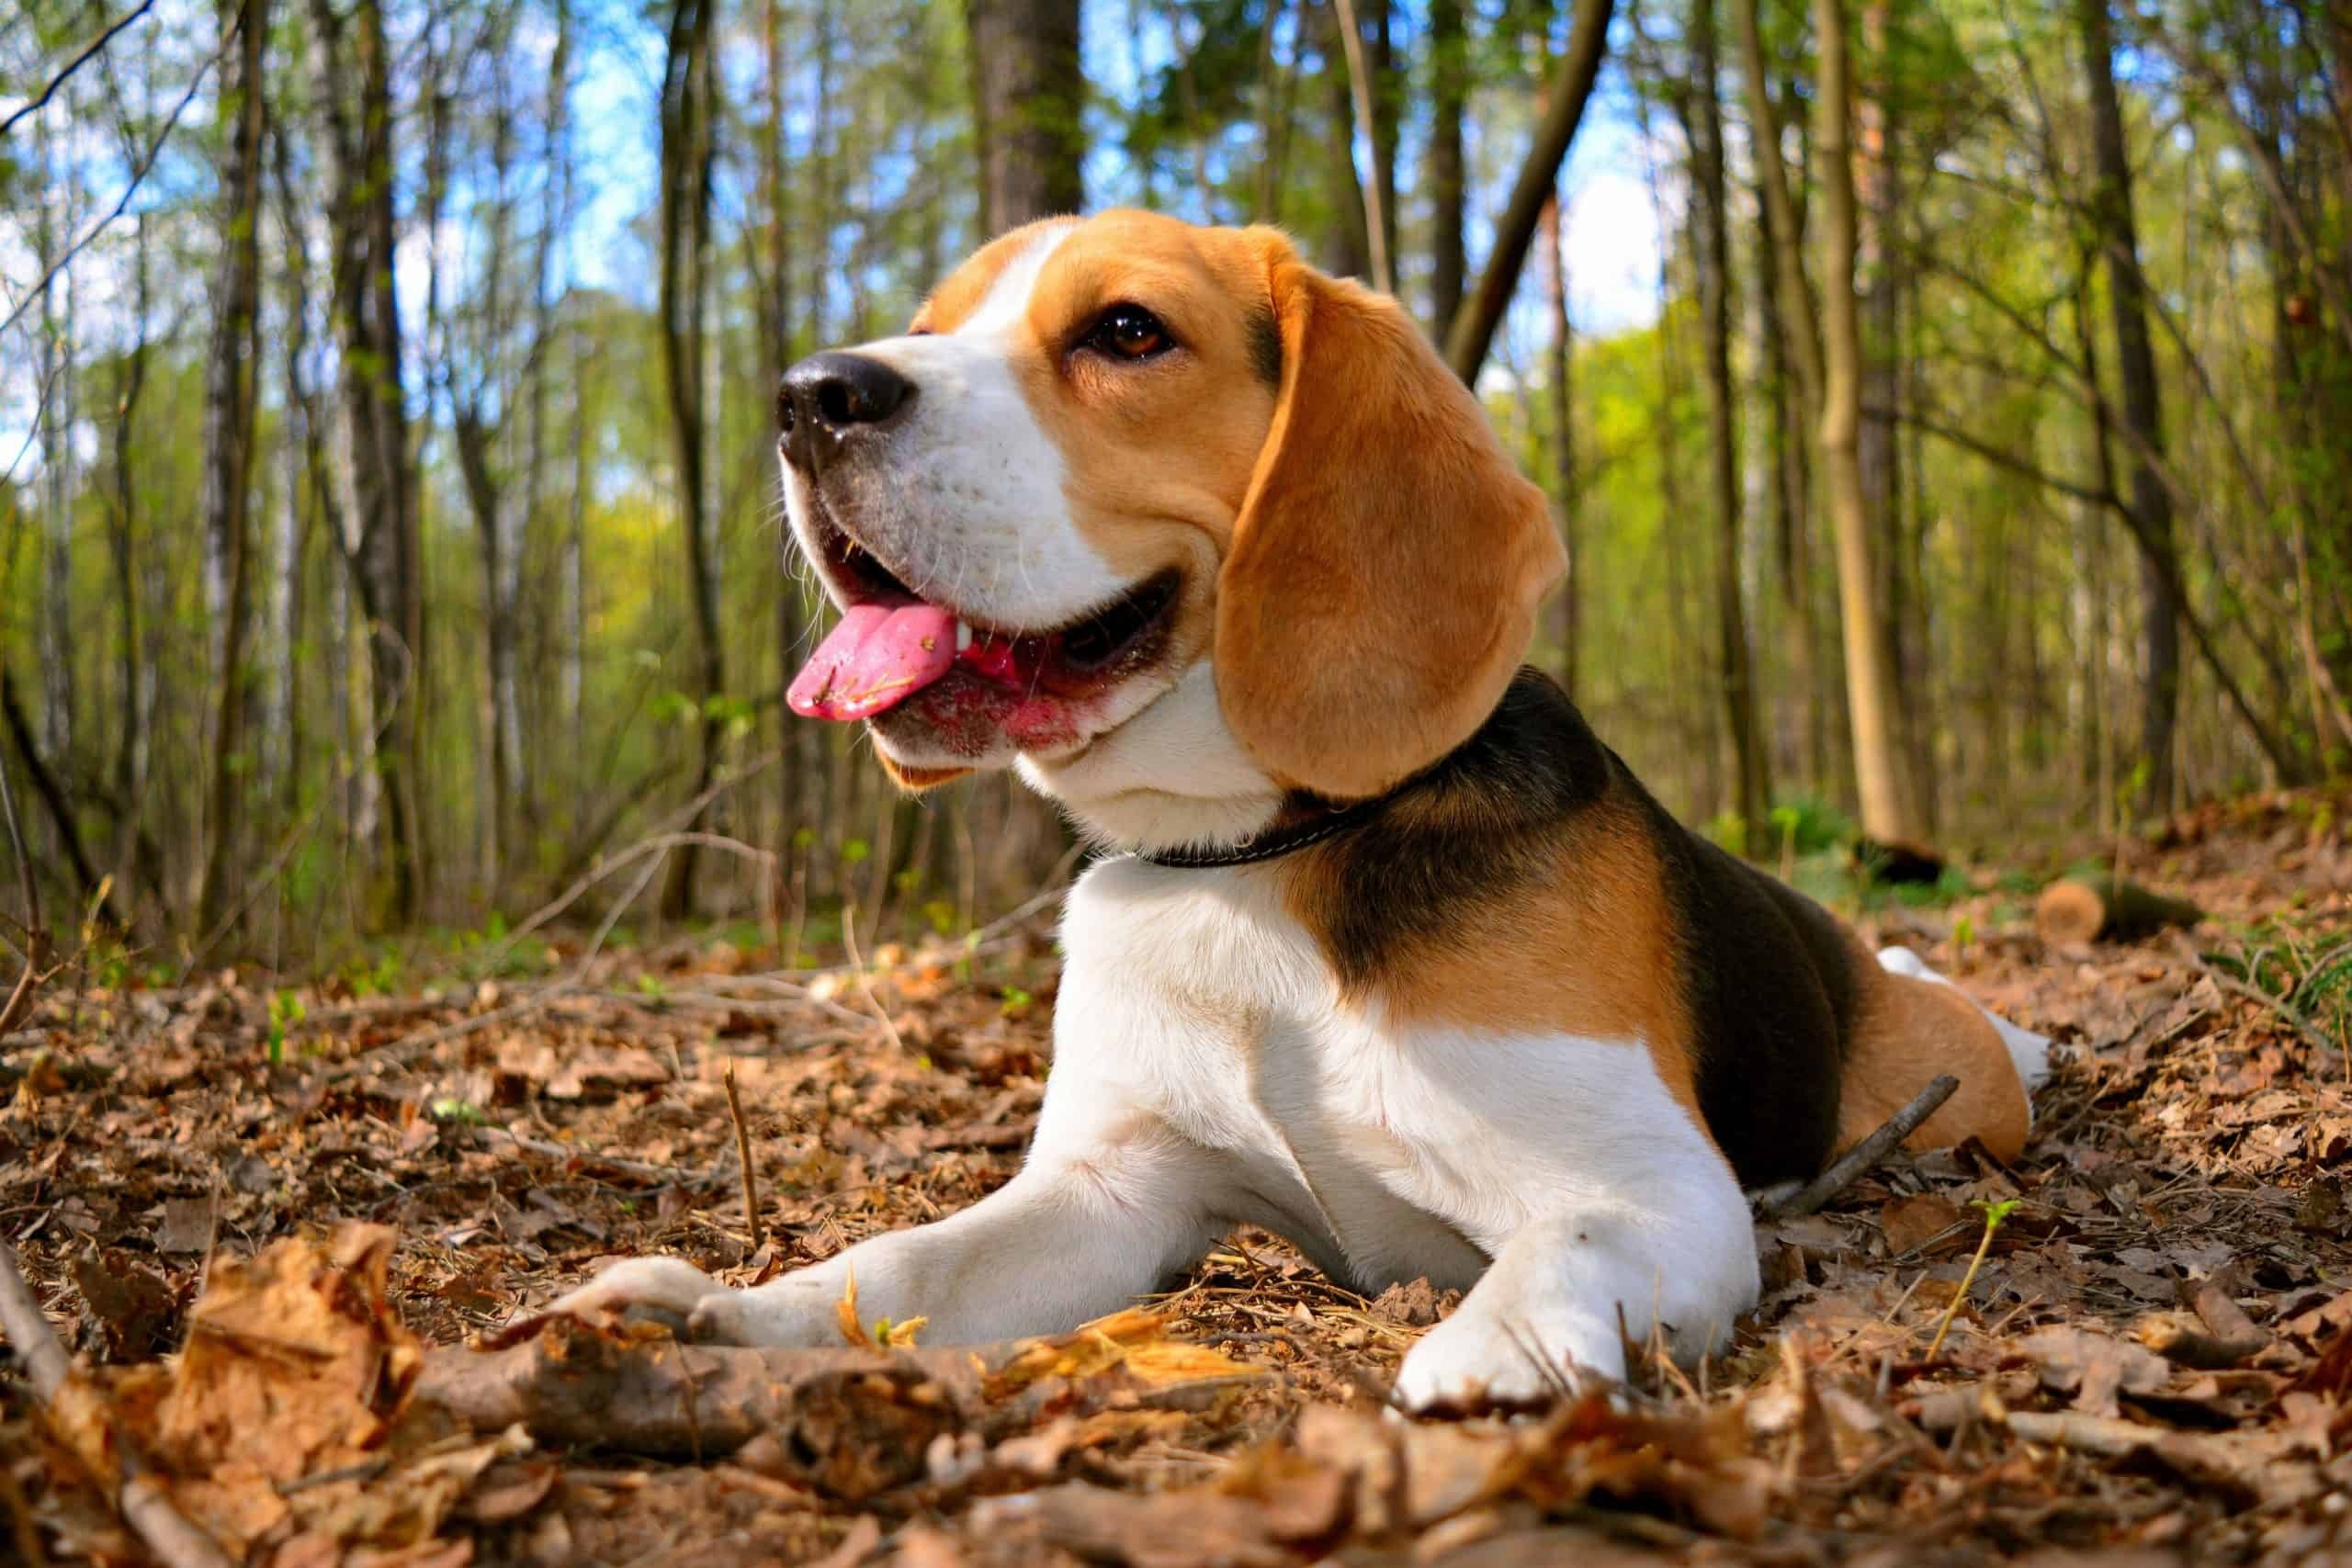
{"x":1477,"y":1359}
{"x":667,"y":1291}
{"x":800,"y":1310}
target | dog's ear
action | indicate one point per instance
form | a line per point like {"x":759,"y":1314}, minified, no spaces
{"x":1382,"y":585}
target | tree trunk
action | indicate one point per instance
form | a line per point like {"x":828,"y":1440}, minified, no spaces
{"x":555,"y":215}
{"x":2142,"y":415}
{"x":1368,"y":87}
{"x":1449,"y":99}
{"x":229,"y":404}
{"x":308,"y":479}
{"x":352,"y":57}
{"x":1880,"y":264}
{"x":1345,"y":247}
{"x":130,"y":754}
{"x":56,"y":219}
{"x":491,"y":496}
{"x":1564,"y":433}
{"x":1805,"y":751}
{"x":1870,"y":650}
{"x":1711,"y":248}
{"x":1782,"y":231}
{"x":775,"y":314}
{"x":1028,"y":99}
{"x":687,"y":100}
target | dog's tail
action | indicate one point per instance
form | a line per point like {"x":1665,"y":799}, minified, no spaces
{"x":2028,"y":1052}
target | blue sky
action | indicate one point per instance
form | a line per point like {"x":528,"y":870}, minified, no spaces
{"x":1613,"y":240}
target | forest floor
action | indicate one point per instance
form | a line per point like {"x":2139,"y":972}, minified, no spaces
{"x":2152,"y":1364}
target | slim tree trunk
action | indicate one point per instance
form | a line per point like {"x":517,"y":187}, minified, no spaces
{"x":1449,"y":99}
{"x":1870,"y":650}
{"x":555,"y":210}
{"x":1783,"y":231}
{"x":351,"y":58}
{"x":1378,"y":184}
{"x":1345,"y":246}
{"x":1879,"y":264}
{"x":130,"y":756}
{"x":1794,"y":325}
{"x":497,"y":373}
{"x":1711,"y":246}
{"x":1028,"y":99}
{"x":775,"y":314}
{"x":1805,"y":750}
{"x":55,"y":220}
{"x":228,"y":402}
{"x":313,"y":483}
{"x":2143,"y":413}
{"x":1564,"y":434}
{"x":687,"y":101}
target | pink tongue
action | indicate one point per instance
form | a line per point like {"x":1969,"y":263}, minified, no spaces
{"x":878,"y":657}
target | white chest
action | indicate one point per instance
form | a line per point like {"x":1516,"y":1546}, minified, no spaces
{"x":1386,"y":1152}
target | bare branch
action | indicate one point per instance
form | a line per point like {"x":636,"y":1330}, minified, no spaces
{"x":137,"y":177}
{"x":89,"y":53}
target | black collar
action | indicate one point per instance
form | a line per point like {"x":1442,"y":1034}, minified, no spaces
{"x":1329,"y":822}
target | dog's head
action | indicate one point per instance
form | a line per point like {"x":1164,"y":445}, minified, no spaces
{"x":1168,"y":517}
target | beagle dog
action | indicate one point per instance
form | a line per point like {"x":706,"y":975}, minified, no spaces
{"x":1390,"y":954}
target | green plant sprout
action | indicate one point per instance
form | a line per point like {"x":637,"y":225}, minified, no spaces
{"x":1995,"y":1213}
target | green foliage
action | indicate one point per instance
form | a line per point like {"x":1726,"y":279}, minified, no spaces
{"x":2307,"y":972}
{"x":1813,"y":825}
{"x":286,"y":1010}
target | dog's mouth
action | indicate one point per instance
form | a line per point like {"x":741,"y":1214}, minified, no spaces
{"x":892,"y":643}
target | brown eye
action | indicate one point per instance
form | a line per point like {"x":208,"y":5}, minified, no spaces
{"x":1130,"y":331}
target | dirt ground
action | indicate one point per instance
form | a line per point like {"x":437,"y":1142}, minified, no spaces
{"x":2153,"y":1363}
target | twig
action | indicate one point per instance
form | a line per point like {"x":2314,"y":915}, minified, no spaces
{"x":410,"y":1047}
{"x":568,"y":1152}
{"x":145,"y":1505}
{"x":137,"y":177}
{"x":744,"y":1157}
{"x":407,"y":1047}
{"x":660,"y":842}
{"x":865,"y":982}
{"x":745,"y":1006}
{"x":1849,"y":1168}
{"x":89,"y":51}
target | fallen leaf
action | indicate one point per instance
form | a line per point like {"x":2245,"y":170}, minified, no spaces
{"x":2093,"y":1367}
{"x":1910,"y":1224}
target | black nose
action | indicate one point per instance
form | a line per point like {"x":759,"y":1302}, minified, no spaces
{"x":827,"y":398}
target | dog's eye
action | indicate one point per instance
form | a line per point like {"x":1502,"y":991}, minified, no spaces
{"x":1130,"y":331}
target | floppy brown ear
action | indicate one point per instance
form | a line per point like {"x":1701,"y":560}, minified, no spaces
{"x":1382,"y":581}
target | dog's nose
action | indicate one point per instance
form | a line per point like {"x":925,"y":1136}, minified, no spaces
{"x":829,"y":397}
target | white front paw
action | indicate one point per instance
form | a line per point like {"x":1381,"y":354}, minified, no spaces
{"x":650,"y":1289}
{"x":798,"y":1311}
{"x":1476,"y":1357}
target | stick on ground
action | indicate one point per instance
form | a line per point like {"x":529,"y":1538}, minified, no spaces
{"x":145,"y":1506}
{"x":1848,"y":1167}
{"x":743,"y":1158}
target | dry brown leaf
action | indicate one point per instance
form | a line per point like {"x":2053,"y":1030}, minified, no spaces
{"x":1911,"y":1223}
{"x":2093,"y":1367}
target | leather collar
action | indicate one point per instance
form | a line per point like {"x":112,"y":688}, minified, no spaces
{"x":1275,"y":841}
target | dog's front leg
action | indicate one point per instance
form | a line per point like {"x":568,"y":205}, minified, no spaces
{"x":1102,"y":1212}
{"x":1562,"y":1292}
